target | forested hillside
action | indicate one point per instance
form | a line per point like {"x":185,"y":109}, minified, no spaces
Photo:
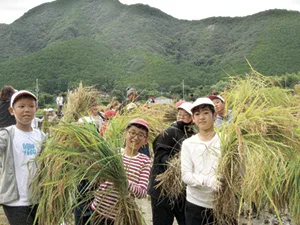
{"x":112,"y":46}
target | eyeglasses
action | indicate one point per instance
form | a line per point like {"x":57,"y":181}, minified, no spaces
{"x":133,"y":134}
{"x":182,"y":115}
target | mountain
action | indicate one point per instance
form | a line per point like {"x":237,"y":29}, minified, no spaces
{"x":112,"y":46}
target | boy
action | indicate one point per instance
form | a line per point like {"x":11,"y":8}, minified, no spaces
{"x":129,"y":103}
{"x":137,"y":168}
{"x":19,"y":145}
{"x":199,"y":162}
{"x":59,"y":102}
{"x":165,"y":146}
{"x":222,"y":115}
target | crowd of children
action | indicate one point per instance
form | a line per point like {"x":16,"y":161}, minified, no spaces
{"x":21,"y":143}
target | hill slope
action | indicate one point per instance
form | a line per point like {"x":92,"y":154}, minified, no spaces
{"x":106,"y":43}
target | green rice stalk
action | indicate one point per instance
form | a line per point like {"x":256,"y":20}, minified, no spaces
{"x":82,"y":154}
{"x":260,"y":150}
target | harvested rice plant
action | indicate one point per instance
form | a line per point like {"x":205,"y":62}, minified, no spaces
{"x":260,"y":150}
{"x":75,"y":152}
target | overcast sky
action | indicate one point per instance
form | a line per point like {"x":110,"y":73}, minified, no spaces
{"x":10,"y":10}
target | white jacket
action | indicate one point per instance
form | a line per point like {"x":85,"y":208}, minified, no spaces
{"x":199,"y":163}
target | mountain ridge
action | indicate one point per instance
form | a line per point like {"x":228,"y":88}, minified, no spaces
{"x":143,"y":45}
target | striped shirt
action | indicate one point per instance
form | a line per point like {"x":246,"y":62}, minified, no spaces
{"x":137,"y":170}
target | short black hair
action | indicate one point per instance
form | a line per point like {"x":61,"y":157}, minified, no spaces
{"x":23,"y":97}
{"x":197,"y":108}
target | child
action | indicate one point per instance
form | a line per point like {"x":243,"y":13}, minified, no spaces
{"x":165,"y":146}
{"x":199,"y":161}
{"x":137,"y":168}
{"x":19,"y":145}
{"x":223,"y":116}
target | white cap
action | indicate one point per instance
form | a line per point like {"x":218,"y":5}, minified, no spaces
{"x":202,"y":101}
{"x":186,"y":106}
{"x":18,"y":94}
{"x":87,"y":119}
{"x":130,"y":91}
{"x":212,"y":97}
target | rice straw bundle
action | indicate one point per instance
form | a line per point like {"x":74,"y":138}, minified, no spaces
{"x":118,"y":123}
{"x":260,"y":150}
{"x":167,"y":111}
{"x":170,"y":181}
{"x":79,"y":102}
{"x":81,"y":154}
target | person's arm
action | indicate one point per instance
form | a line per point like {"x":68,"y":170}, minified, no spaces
{"x":163,"y":146}
{"x":188,"y":174}
{"x":187,"y":168}
{"x":139,"y":189}
{"x":3,"y":140}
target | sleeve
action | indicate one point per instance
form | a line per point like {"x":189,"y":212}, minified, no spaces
{"x":188,"y":174}
{"x":163,"y":146}
{"x":3,"y":141}
{"x":139,"y":189}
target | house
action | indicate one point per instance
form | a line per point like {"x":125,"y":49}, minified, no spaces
{"x":163,"y":100}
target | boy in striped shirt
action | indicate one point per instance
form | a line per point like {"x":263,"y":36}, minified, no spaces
{"x":137,"y":168}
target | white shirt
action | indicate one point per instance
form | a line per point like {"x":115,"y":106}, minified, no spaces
{"x":199,"y":162}
{"x":35,"y":122}
{"x":26,"y":146}
{"x":59,"y":100}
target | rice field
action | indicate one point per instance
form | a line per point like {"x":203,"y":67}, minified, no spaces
{"x":144,"y":204}
{"x":259,"y":150}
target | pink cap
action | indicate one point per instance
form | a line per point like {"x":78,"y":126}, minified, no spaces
{"x":110,"y":113}
{"x":140,"y":122}
{"x":212,"y":97}
{"x":179,"y":103}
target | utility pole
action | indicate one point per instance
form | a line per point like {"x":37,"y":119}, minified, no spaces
{"x":37,"y":91}
{"x":182,"y":89}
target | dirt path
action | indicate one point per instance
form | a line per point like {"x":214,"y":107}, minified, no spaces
{"x":145,"y":206}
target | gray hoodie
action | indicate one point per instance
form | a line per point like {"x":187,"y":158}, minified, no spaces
{"x":8,"y":187}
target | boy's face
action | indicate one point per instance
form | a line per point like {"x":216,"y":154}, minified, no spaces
{"x":219,"y":105}
{"x":133,"y":96}
{"x":204,"y":118}
{"x":135,"y":138}
{"x":24,"y":110}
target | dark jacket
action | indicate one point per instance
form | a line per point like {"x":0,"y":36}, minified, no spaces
{"x":5,"y":118}
{"x":165,"y":146}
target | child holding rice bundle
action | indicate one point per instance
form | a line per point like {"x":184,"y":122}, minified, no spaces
{"x":166,"y":146}
{"x":199,"y":161}
{"x":20,"y":144}
{"x":137,"y":167}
